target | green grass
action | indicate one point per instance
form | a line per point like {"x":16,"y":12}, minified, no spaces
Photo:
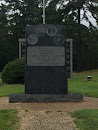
{"x":7,"y":89}
{"x":75,"y":85}
{"x":9,"y":119}
{"x":87,"y":88}
{"x":86,"y":119}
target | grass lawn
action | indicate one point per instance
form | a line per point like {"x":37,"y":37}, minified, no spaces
{"x":86,"y":119}
{"x":7,"y":89}
{"x":75,"y":85}
{"x":87,"y":88}
{"x":9,"y":119}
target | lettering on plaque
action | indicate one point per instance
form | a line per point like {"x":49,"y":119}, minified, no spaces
{"x":45,"y":56}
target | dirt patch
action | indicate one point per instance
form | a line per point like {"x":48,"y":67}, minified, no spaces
{"x":88,"y":103}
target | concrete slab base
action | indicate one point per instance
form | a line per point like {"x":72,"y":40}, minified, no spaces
{"x":50,"y":98}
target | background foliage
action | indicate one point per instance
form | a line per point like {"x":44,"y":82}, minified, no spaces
{"x":14,"y":72}
{"x":16,"y":15}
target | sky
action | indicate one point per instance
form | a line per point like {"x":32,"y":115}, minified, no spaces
{"x":1,"y":1}
{"x":84,"y":22}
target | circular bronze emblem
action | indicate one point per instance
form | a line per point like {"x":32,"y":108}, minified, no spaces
{"x":32,"y":39}
{"x":51,"y":31}
{"x":59,"y":39}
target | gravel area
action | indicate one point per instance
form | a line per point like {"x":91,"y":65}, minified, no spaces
{"x":48,"y":116}
{"x":46,"y":120}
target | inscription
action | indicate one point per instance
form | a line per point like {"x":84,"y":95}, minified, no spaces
{"x":45,"y":56}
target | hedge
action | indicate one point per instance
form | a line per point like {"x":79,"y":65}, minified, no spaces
{"x":14,"y":72}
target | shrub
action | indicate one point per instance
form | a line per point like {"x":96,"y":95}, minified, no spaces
{"x":14,"y":72}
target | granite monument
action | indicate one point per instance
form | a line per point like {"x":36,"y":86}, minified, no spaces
{"x":47,"y":66}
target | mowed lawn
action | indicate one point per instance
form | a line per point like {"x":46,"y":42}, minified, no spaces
{"x":87,"y":88}
{"x":75,"y":85}
{"x":7,"y":89}
{"x":86,"y":119}
{"x":9,"y":119}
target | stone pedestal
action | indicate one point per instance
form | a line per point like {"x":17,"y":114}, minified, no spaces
{"x":48,"y":98}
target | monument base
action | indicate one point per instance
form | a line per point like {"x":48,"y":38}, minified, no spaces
{"x":49,"y":98}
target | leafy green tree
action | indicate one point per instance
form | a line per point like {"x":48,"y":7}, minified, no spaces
{"x":14,"y":17}
{"x":3,"y":35}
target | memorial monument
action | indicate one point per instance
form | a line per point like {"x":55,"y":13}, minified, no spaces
{"x":46,"y":59}
{"x":47,"y":65}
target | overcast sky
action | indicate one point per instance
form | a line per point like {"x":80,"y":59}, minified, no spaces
{"x":84,"y":22}
{"x":1,"y":1}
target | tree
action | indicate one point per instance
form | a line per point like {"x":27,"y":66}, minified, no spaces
{"x":3,"y":35}
{"x":15,"y":15}
{"x":72,"y":10}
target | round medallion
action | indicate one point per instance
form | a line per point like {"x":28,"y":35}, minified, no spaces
{"x":59,"y":39}
{"x":40,"y":30}
{"x":51,"y":31}
{"x":32,"y":39}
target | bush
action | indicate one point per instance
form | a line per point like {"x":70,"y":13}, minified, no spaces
{"x":14,"y":72}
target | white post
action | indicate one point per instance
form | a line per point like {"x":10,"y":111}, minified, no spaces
{"x":43,"y":11}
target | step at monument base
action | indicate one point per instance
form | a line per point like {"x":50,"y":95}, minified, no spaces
{"x":48,"y":98}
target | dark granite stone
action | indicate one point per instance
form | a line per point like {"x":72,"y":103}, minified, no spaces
{"x":31,"y":98}
{"x":46,"y":71}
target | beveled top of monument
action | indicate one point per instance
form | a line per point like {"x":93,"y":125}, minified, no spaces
{"x":39,"y":35}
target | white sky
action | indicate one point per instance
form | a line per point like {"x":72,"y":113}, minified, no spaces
{"x":91,"y":19}
{"x":84,"y":22}
{"x":2,"y":1}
